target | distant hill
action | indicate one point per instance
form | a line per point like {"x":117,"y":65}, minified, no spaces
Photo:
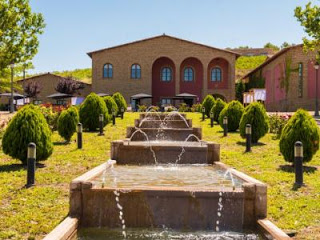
{"x":84,"y":75}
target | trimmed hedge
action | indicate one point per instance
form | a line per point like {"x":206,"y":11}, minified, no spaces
{"x":90,"y":111}
{"x":67,"y":123}
{"x":256,"y":115}
{"x":120,"y":101}
{"x":233,"y":110}
{"x":301,"y":127}
{"x":111,"y":105}
{"x":217,"y":108}
{"x":28,"y":125}
{"x":208,"y":103}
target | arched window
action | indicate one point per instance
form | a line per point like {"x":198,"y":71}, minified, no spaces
{"x":166,"y":74}
{"x":216,"y":74}
{"x":188,"y":74}
{"x":135,"y":71}
{"x":107,"y":71}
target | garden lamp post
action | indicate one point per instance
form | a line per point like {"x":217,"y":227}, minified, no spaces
{"x":113,"y":117}
{"x":31,"y":164}
{"x":11,"y":98}
{"x":122,"y":112}
{"x":101,"y":119}
{"x":225,"y":126}
{"x":211,"y":119}
{"x":24,"y":82}
{"x":248,"y":137}
{"x":298,"y":167}
{"x":79,"y":135}
{"x":203,"y":113}
{"x":316,"y":111}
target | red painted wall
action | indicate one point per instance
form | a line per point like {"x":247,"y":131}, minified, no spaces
{"x":160,"y":88}
{"x":268,"y":86}
{"x":224,"y":65}
{"x":312,"y":81}
{"x":279,"y":92}
{"x":194,"y":87}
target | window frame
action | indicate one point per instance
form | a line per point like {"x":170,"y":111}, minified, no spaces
{"x":161,"y":74}
{"x":108,"y":75}
{"x":135,"y":68}
{"x":211,"y":74}
{"x":193,"y":74}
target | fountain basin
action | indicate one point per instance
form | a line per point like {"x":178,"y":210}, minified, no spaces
{"x":142,"y":153}
{"x":164,"y":134}
{"x":162,"y":116}
{"x":151,"y":123}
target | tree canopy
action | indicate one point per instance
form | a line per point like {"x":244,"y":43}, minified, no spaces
{"x":69,"y":86}
{"x":19,"y":30}
{"x":309,"y":18}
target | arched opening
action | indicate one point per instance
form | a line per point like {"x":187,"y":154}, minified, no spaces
{"x":218,"y":73}
{"x":191,"y":76}
{"x":163,"y":81}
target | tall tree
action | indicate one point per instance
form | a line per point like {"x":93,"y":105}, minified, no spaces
{"x":19,"y":30}
{"x":69,"y":85}
{"x":309,"y":18}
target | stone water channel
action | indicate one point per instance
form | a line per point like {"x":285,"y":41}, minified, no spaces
{"x":165,"y":182}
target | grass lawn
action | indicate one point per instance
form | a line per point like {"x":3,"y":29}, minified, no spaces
{"x":31,"y":213}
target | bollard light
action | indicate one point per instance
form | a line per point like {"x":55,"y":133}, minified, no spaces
{"x":79,"y":135}
{"x":225,"y":126}
{"x":113,"y":117}
{"x":122,"y":112}
{"x":211,"y":119}
{"x":298,"y":166}
{"x":203,"y":113}
{"x":248,"y":137}
{"x":31,"y":164}
{"x":101,"y":119}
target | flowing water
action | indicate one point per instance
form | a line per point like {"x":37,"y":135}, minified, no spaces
{"x":162,"y":234}
{"x":186,"y":176}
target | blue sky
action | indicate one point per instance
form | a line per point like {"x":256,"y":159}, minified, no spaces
{"x":77,"y":27}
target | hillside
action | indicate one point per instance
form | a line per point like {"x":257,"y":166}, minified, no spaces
{"x":84,"y":74}
{"x":245,"y":64}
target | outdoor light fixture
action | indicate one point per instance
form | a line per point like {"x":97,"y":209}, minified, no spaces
{"x":248,"y":137}
{"x":101,"y":118}
{"x":298,"y":159}
{"x":79,"y":135}
{"x":31,"y":164}
{"x":211,"y":119}
{"x":113,"y":117}
{"x":11,"y":98}
{"x":225,"y":126}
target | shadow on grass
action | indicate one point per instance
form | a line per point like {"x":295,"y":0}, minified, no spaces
{"x":12,"y":167}
{"x":60,"y":143}
{"x":252,"y":145}
{"x":290,"y":169}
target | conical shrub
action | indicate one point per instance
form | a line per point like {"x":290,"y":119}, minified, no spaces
{"x":90,"y":111}
{"x":217,"y":108}
{"x":111,"y":105}
{"x":233,"y":110}
{"x":28,"y":125}
{"x":120,"y":101}
{"x":67,"y":123}
{"x":256,"y":115}
{"x":301,"y":127}
{"x":208,"y":102}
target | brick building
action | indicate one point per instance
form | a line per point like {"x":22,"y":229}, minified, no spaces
{"x":48,"y":83}
{"x":164,"y":66}
{"x":289,"y":79}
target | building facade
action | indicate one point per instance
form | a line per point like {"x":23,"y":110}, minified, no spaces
{"x":289,"y":78}
{"x":164,"y":67}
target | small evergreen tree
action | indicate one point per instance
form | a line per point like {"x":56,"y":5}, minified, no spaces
{"x":233,"y":110}
{"x":90,"y":111}
{"x":256,"y":115}
{"x":28,"y":125}
{"x":301,"y":127}
{"x":120,"y":101}
{"x":111,"y":104}
{"x":67,"y":123}
{"x":217,"y":108}
{"x":208,"y":103}
{"x":240,"y":89}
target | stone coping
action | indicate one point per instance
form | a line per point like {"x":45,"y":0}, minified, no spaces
{"x":271,"y":230}
{"x":65,"y":230}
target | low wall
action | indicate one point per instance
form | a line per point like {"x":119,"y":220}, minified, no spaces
{"x":159,"y":123}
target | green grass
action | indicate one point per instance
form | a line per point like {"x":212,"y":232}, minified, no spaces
{"x":31,"y":213}
{"x":245,"y":64}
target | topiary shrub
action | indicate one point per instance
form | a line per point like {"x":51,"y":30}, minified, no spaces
{"x":217,"y":108}
{"x":120,"y":101}
{"x":301,"y":127}
{"x":111,"y":104}
{"x":233,"y":111}
{"x":184,"y":108}
{"x":90,"y":110}
{"x":28,"y":125}
{"x":208,"y":103}
{"x":256,"y":115}
{"x":67,"y":123}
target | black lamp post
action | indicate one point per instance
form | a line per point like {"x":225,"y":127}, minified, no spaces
{"x":203,"y":113}
{"x":24,"y":82}
{"x":11,"y":98}
{"x":316,"y":111}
